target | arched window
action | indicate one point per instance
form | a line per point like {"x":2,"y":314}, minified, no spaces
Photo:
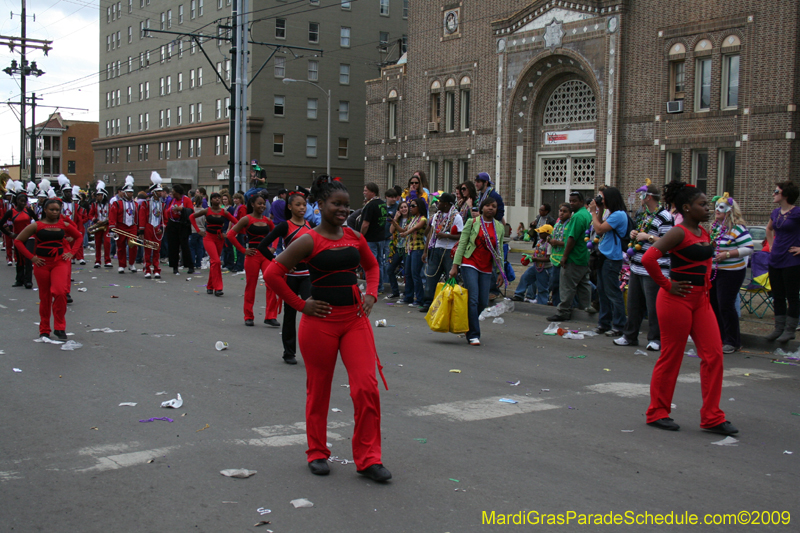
{"x":572,"y":101}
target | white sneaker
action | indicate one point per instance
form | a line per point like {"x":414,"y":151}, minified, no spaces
{"x":82,"y":262}
{"x":157,"y":275}
{"x":654,"y":346}
{"x":121,"y":270}
{"x":528,"y":300}
{"x":474,"y":342}
{"x":413,"y":305}
{"x":109,"y":265}
{"x":132,"y":268}
{"x":622,"y":341}
{"x":147,"y":275}
{"x":10,"y":263}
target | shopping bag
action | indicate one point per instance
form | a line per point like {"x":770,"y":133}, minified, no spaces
{"x":459,"y":317}
{"x":438,"y":316}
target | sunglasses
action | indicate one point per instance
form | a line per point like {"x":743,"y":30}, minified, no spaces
{"x":414,"y":183}
{"x":413,"y":205}
{"x":463,"y":189}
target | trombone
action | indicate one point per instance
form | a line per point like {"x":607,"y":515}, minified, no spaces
{"x":135,"y":240}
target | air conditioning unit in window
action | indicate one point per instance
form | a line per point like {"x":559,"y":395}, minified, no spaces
{"x":433,"y":127}
{"x":675,"y":106}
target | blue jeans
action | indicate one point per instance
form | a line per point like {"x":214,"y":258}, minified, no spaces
{"x":612,"y":306}
{"x":227,"y":256}
{"x":379,"y":250}
{"x":439,"y":263}
{"x":477,"y":284}
{"x":535,"y":282}
{"x":391,"y":271}
{"x":196,"y":249}
{"x":239,"y":255}
{"x":526,"y":288}
{"x":413,"y":269}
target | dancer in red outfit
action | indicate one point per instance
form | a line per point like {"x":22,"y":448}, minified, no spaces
{"x":20,"y":217}
{"x":256,"y":227}
{"x":336,"y":321}
{"x":683,"y":302}
{"x":99,"y":213}
{"x":298,"y":281}
{"x":151,"y":226}
{"x":213,"y":239}
{"x":51,"y":264}
{"x":123,"y":215}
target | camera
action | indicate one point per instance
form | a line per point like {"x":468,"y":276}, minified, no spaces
{"x":598,"y":201}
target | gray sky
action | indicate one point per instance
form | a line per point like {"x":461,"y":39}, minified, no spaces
{"x":71,"y":68}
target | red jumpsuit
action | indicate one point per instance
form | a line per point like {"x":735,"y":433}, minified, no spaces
{"x":687,"y":315}
{"x":253,"y":264}
{"x":102,"y":246}
{"x":332,"y":266}
{"x":213,"y":242}
{"x":123,"y":215}
{"x":151,"y":220}
{"x":53,"y":277}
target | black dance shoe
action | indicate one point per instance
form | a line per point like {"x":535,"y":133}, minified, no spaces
{"x":665,"y":423}
{"x":726,"y":428}
{"x":272,"y":322}
{"x":319,"y":467}
{"x":60,"y":334}
{"x":249,"y":322}
{"x":376,"y":472}
{"x":289,"y":359}
{"x":69,"y":298}
{"x":29,"y":285}
{"x":17,"y":284}
{"x":209,"y":291}
{"x":218,"y":293}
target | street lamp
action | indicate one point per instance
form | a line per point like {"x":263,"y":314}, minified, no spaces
{"x":328,"y":96}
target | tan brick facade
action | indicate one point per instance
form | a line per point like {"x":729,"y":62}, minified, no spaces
{"x":598,"y":75}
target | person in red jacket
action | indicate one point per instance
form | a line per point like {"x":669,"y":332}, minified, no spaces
{"x":20,"y":216}
{"x":255,"y":226}
{"x":51,"y":262}
{"x":176,"y":213}
{"x":151,"y":226}
{"x":213,"y":239}
{"x":71,"y":209}
{"x":99,"y":213}
{"x":335,"y":320}
{"x":124,"y":215}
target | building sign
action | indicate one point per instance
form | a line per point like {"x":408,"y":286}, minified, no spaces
{"x":569,"y":137}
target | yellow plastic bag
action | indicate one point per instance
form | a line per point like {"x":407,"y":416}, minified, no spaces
{"x":438,"y":317}
{"x":459,"y":318}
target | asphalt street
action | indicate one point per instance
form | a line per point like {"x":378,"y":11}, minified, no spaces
{"x":73,"y":460}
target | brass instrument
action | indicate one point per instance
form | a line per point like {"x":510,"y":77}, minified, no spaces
{"x":135,"y":240}
{"x":99,"y":226}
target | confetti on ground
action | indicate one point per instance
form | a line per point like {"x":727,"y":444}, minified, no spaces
{"x":727,"y":441}
{"x":164,"y":418}
{"x":203,"y":428}
{"x":508,"y":400}
{"x":577,"y":356}
{"x":455,"y":371}
{"x":455,"y":480}
{"x":422,"y":441}
{"x":513,"y":383}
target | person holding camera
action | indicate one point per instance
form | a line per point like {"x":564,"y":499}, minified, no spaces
{"x":614,"y":228}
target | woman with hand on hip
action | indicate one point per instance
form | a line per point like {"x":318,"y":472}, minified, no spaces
{"x":213,"y":239}
{"x":335,"y":320}
{"x":783,"y":236}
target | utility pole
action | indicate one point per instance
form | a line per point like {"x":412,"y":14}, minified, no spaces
{"x":22,"y":89}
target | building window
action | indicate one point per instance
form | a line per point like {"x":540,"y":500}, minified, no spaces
{"x":730,"y":82}
{"x":311,"y":146}
{"x":192,"y":9}
{"x":199,"y":8}
{"x":140,"y":154}
{"x":383,"y":41}
{"x":280,"y":28}
{"x":277,"y":144}
{"x":168,"y":118}
{"x":219,"y":72}
{"x":178,"y":148}
{"x":278,"y":108}
{"x":179,"y":116}
{"x":128,"y":154}
{"x":227,"y":106}
{"x":344,"y":111}
{"x":727,"y":172}
{"x":70,"y":167}
{"x":392,"y":120}
{"x":404,"y":44}
{"x":228,"y":69}
{"x":465,"y":101}
{"x":163,"y":21}
{"x":129,"y":94}
{"x":436,"y":107}
{"x":199,"y":112}
{"x":160,"y":151}
{"x":344,"y":74}
{"x":218,"y":109}
{"x":463,"y":171}
{"x":161,"y":118}
{"x":199,"y":151}
{"x":180,"y":14}
{"x":128,"y":125}
{"x":313,"y":32}
{"x":343,"y":148}
{"x":313,"y":70}
{"x":160,"y":86}
{"x":169,"y":19}
{"x":433,"y":175}
{"x":217,"y":145}
{"x":130,"y":34}
{"x":71,"y":143}
{"x":191,"y":113}
{"x":700,"y":169}
{"x":191,"y":79}
{"x":199,"y":76}
{"x":191,"y":147}
{"x":405,"y":9}
{"x":344,"y":37}
{"x":572,"y":101}
{"x":703,"y":85}
{"x":147,"y":90}
{"x":167,"y":146}
{"x":677,"y":84}
{"x":673,"y":166}
{"x":311,"y":108}
{"x":141,"y":121}
{"x":391,"y":174}
{"x":449,"y":110}
{"x":147,"y":121}
{"x":385,"y":7}
{"x":448,"y":172}
{"x":280,"y":67}
{"x":180,"y":81}
{"x":345,"y":4}
{"x":169,"y":84}
{"x":147,"y":152}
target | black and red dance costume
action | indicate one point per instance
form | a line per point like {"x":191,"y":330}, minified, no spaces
{"x":124,"y":215}
{"x":332,"y":266}
{"x":693,"y":315}
{"x":253,"y":264}
{"x":52,"y":278}
{"x":297,"y":280}
{"x":213,"y":242}
{"x":19,"y":221}
{"x":8,"y":241}
{"x":74,"y":212}
{"x":102,"y":245}
{"x":151,"y":220}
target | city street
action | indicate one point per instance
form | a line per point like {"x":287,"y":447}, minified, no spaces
{"x":575,"y":440}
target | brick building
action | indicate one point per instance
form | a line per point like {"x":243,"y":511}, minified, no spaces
{"x":64,"y":147}
{"x":550,"y":96}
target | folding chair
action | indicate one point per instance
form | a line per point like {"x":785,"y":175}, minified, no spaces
{"x":756,"y":296}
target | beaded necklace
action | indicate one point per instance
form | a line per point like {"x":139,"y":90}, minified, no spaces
{"x":410,"y":224}
{"x":716,"y":236}
{"x":644,"y":227}
{"x":496,"y":250}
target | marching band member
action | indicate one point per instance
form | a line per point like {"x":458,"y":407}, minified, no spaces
{"x":5,"y":206}
{"x":151,"y":225}
{"x":99,"y":213}
{"x":213,"y":239}
{"x":256,"y":226}
{"x":51,"y":264}
{"x":20,"y":217}
{"x":45,"y":190}
{"x":123,"y":215}
{"x":71,"y":209}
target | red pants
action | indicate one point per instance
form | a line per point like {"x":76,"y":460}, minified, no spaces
{"x":252,"y":265}
{"x":151,"y":257}
{"x":123,"y":246}
{"x":213,"y":245}
{"x":102,"y":244}
{"x":79,"y":251}
{"x":690,"y":315}
{"x":343,"y":331}
{"x":53,"y":282}
{"x":8,"y":242}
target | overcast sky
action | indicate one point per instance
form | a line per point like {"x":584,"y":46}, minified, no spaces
{"x":71,"y":68}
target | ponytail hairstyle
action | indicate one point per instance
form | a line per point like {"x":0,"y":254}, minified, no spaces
{"x":323,"y":186}
{"x":670,"y":190}
{"x":680,"y":193}
{"x":290,"y":199}
{"x":50,"y":201}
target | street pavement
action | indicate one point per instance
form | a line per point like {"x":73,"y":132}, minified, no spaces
{"x":73,"y":460}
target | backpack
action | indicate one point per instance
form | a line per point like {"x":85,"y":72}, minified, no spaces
{"x":625,"y":240}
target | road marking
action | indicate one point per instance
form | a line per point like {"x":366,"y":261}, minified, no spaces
{"x":8,"y":476}
{"x":114,"y":462}
{"x":483,"y":409}
{"x":287,"y":434}
{"x":625,"y":390}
